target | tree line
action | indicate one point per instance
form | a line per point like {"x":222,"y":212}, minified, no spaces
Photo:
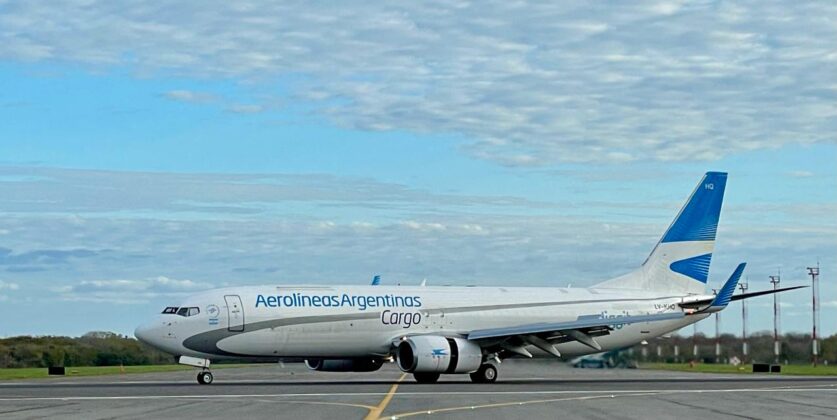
{"x":795,"y":348}
{"x":91,"y":349}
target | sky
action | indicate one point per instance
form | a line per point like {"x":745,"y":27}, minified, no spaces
{"x":152,"y":150}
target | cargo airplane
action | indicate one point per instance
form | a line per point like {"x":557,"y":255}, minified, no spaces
{"x":431,"y":330}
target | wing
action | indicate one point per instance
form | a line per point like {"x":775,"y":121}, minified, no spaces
{"x":544,"y":335}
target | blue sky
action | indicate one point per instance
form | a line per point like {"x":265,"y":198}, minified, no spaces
{"x":149,"y":151}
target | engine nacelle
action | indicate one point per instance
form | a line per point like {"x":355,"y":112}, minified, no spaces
{"x":433,"y":353}
{"x":344,"y":365}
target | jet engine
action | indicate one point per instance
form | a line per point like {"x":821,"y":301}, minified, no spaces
{"x":437,"y":354}
{"x":344,"y":365}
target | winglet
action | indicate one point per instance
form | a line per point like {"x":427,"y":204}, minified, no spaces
{"x":724,"y":295}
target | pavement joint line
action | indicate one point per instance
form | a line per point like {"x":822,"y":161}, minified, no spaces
{"x":392,"y":392}
{"x":375,"y":413}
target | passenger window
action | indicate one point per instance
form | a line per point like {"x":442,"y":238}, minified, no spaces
{"x":194,"y":311}
{"x":183,"y":312}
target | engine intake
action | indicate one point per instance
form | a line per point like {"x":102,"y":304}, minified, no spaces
{"x":437,"y":354}
{"x":344,"y":365}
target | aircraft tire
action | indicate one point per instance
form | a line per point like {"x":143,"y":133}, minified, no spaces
{"x":426,"y":378}
{"x":486,"y":374}
{"x":205,"y":378}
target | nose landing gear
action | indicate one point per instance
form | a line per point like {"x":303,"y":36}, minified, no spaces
{"x":205,"y":377}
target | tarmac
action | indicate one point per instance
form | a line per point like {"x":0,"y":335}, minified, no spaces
{"x":525,"y":389}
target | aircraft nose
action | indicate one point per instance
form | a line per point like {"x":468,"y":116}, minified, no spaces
{"x":145,"y":333}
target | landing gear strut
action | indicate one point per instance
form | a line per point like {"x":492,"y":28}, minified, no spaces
{"x":205,"y":377}
{"x":486,"y":374}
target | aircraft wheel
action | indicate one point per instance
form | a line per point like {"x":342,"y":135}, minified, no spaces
{"x":205,"y":378}
{"x":486,"y":374}
{"x":426,"y":378}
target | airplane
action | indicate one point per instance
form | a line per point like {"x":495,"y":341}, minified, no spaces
{"x":376,"y":280}
{"x":433,"y":330}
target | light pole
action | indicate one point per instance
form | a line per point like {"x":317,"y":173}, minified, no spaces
{"x":744,"y":286}
{"x":717,"y":337}
{"x":694,"y":343}
{"x":776,"y":346}
{"x":717,"y":334}
{"x":814,"y":272}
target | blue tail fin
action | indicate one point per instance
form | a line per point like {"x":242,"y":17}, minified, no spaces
{"x":680,"y":260}
{"x":698,"y":219}
{"x":376,"y":281}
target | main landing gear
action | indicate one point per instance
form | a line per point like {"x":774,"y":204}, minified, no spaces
{"x":205,"y":377}
{"x":486,"y":374}
{"x":426,"y":377}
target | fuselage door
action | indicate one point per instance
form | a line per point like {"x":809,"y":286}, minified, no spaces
{"x":235,"y":313}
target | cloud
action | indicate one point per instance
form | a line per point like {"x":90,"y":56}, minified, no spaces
{"x":8,"y":286}
{"x":529,"y":84}
{"x":801,"y":174}
{"x":141,"y":194}
{"x":245,"y":108}
{"x":190,"y":96}
{"x":205,"y":98}
{"x":42,"y":257}
{"x":130,"y":291}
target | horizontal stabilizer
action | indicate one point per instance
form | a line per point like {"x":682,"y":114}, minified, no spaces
{"x":724,"y":295}
{"x":705,"y":304}
{"x":764,"y":292}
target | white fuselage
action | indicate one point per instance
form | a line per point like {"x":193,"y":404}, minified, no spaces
{"x":362,"y":321}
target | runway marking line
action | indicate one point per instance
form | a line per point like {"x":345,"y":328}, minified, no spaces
{"x":828,"y":388}
{"x":375,"y":413}
{"x":509,"y":404}
{"x":368,"y":407}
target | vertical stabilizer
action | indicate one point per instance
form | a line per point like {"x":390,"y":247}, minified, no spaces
{"x":680,"y":260}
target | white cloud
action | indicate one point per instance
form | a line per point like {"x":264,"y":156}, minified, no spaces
{"x":8,"y":286}
{"x":129,"y":291}
{"x":190,"y":96}
{"x":243,"y":196}
{"x":529,"y":83}
{"x":414,"y":225}
{"x":245,"y":108}
{"x":801,"y":174}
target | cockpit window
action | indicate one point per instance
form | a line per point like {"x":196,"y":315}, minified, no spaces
{"x":184,"y":311}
